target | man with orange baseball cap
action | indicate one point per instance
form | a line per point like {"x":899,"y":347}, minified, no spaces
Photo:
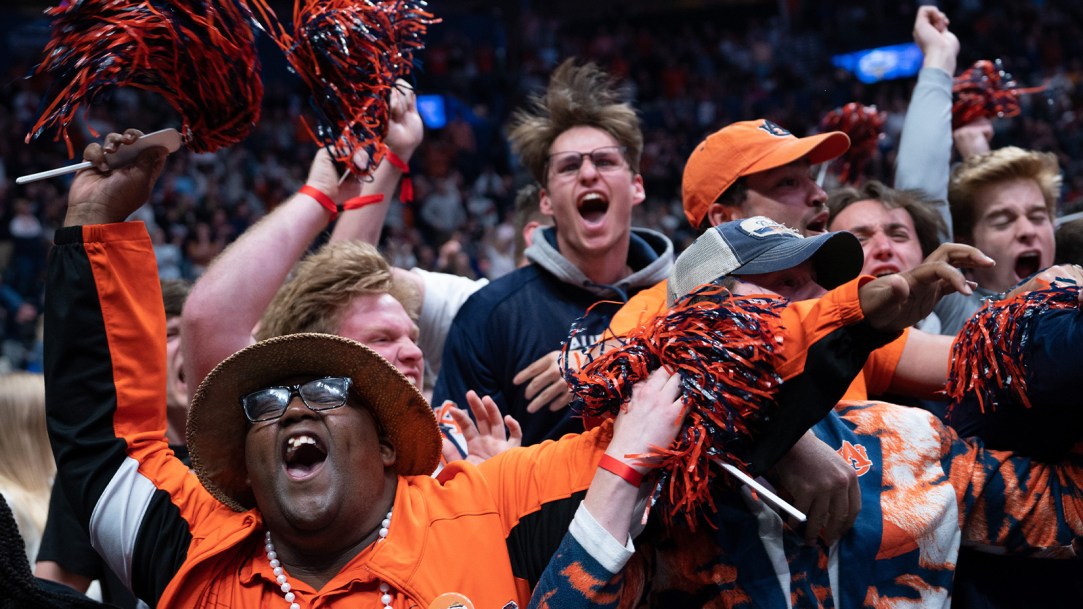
{"x":747,"y":169}
{"x":757,"y":168}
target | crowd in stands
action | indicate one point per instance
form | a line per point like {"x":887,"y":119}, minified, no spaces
{"x":686,"y":73}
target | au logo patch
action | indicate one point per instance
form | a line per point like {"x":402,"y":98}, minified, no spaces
{"x":774,"y":129}
{"x":856,"y":456}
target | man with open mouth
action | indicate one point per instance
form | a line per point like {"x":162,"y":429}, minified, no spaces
{"x":582,"y":144}
{"x":312,"y":454}
{"x":1003,"y":203}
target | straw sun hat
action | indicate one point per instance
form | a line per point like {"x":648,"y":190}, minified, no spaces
{"x":217,"y":426}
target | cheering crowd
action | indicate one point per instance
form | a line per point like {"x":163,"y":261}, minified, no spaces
{"x":530,"y":386}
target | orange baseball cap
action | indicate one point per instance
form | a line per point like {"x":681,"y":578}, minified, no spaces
{"x":745,"y":148}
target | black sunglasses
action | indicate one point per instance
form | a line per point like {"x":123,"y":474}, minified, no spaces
{"x":321,"y":394}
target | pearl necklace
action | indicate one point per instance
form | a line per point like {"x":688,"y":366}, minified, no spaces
{"x":283,"y":581}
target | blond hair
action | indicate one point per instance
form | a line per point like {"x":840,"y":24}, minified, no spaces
{"x":1000,"y":165}
{"x":27,"y":468}
{"x":577,"y":96}
{"x":325,"y":283}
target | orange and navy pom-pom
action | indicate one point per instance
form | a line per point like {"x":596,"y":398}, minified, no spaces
{"x":724,"y":349}
{"x":865,"y":126}
{"x":350,"y":53}
{"x":985,"y":90}
{"x":989,"y":355}
{"x":200,"y":56}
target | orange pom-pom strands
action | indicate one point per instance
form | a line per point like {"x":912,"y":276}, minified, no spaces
{"x":985,"y":90}
{"x":198,"y":55}
{"x":865,"y":126}
{"x":988,"y":357}
{"x":725,"y":350}
{"x":350,"y":53}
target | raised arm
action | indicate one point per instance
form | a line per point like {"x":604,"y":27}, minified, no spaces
{"x":105,"y":370}
{"x":924,"y":159}
{"x":229,"y":299}
{"x":404,"y":135}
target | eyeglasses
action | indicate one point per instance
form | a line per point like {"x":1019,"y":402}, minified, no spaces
{"x":321,"y":394}
{"x":566,"y":165}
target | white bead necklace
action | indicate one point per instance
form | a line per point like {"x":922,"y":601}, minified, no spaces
{"x":283,"y":581}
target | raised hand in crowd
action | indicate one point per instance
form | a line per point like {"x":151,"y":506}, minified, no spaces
{"x":973,"y":138}
{"x":404,"y":135}
{"x":938,"y":44}
{"x":490,"y":436}
{"x":105,"y":194}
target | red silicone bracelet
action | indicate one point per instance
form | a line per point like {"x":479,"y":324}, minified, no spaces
{"x":622,"y":469}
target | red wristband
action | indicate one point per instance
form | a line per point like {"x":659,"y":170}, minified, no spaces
{"x":622,"y":469}
{"x":406,"y":192}
{"x":324,"y":200}
{"x":361,"y":201}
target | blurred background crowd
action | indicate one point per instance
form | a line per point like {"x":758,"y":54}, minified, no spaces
{"x":689,"y":67}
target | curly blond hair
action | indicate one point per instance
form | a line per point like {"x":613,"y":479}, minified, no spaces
{"x":577,"y":96}
{"x":1000,"y":165}
{"x":324,"y":284}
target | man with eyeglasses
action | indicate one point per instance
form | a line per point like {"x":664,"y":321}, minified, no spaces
{"x":582,"y":145}
{"x":311,"y":453}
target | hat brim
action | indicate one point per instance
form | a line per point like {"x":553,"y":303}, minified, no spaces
{"x":837,"y":258}
{"x":217,"y":427}
{"x":819,"y":148}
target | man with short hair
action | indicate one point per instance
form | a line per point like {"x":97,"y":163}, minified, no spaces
{"x":1003,"y":203}
{"x":897,"y":229}
{"x":582,"y":145}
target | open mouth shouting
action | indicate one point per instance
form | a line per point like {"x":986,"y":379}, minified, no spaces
{"x":1027,"y":264}
{"x":818,"y":224}
{"x":593,"y":207}
{"x":303,"y":455}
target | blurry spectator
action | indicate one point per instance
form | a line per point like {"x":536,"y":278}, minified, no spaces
{"x":1069,"y":237}
{"x":26,"y":460}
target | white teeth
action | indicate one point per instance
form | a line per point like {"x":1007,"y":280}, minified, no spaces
{"x":299,"y":440}
{"x":593,"y":197}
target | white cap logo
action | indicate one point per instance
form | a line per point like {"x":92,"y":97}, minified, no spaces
{"x":761,"y":228}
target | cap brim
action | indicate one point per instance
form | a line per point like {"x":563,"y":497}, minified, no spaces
{"x":818,"y":148}
{"x":217,"y":426}
{"x":837,"y":258}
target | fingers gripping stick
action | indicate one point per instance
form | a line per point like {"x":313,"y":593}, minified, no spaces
{"x":170,"y":139}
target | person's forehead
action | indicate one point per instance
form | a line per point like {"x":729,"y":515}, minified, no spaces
{"x":1018,"y":193}
{"x":582,"y":138}
{"x":871,"y":214}
{"x":374,"y":312}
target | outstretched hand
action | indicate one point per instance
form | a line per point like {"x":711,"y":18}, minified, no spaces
{"x":101,"y":194}
{"x":491,"y":435}
{"x":897,"y":301}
